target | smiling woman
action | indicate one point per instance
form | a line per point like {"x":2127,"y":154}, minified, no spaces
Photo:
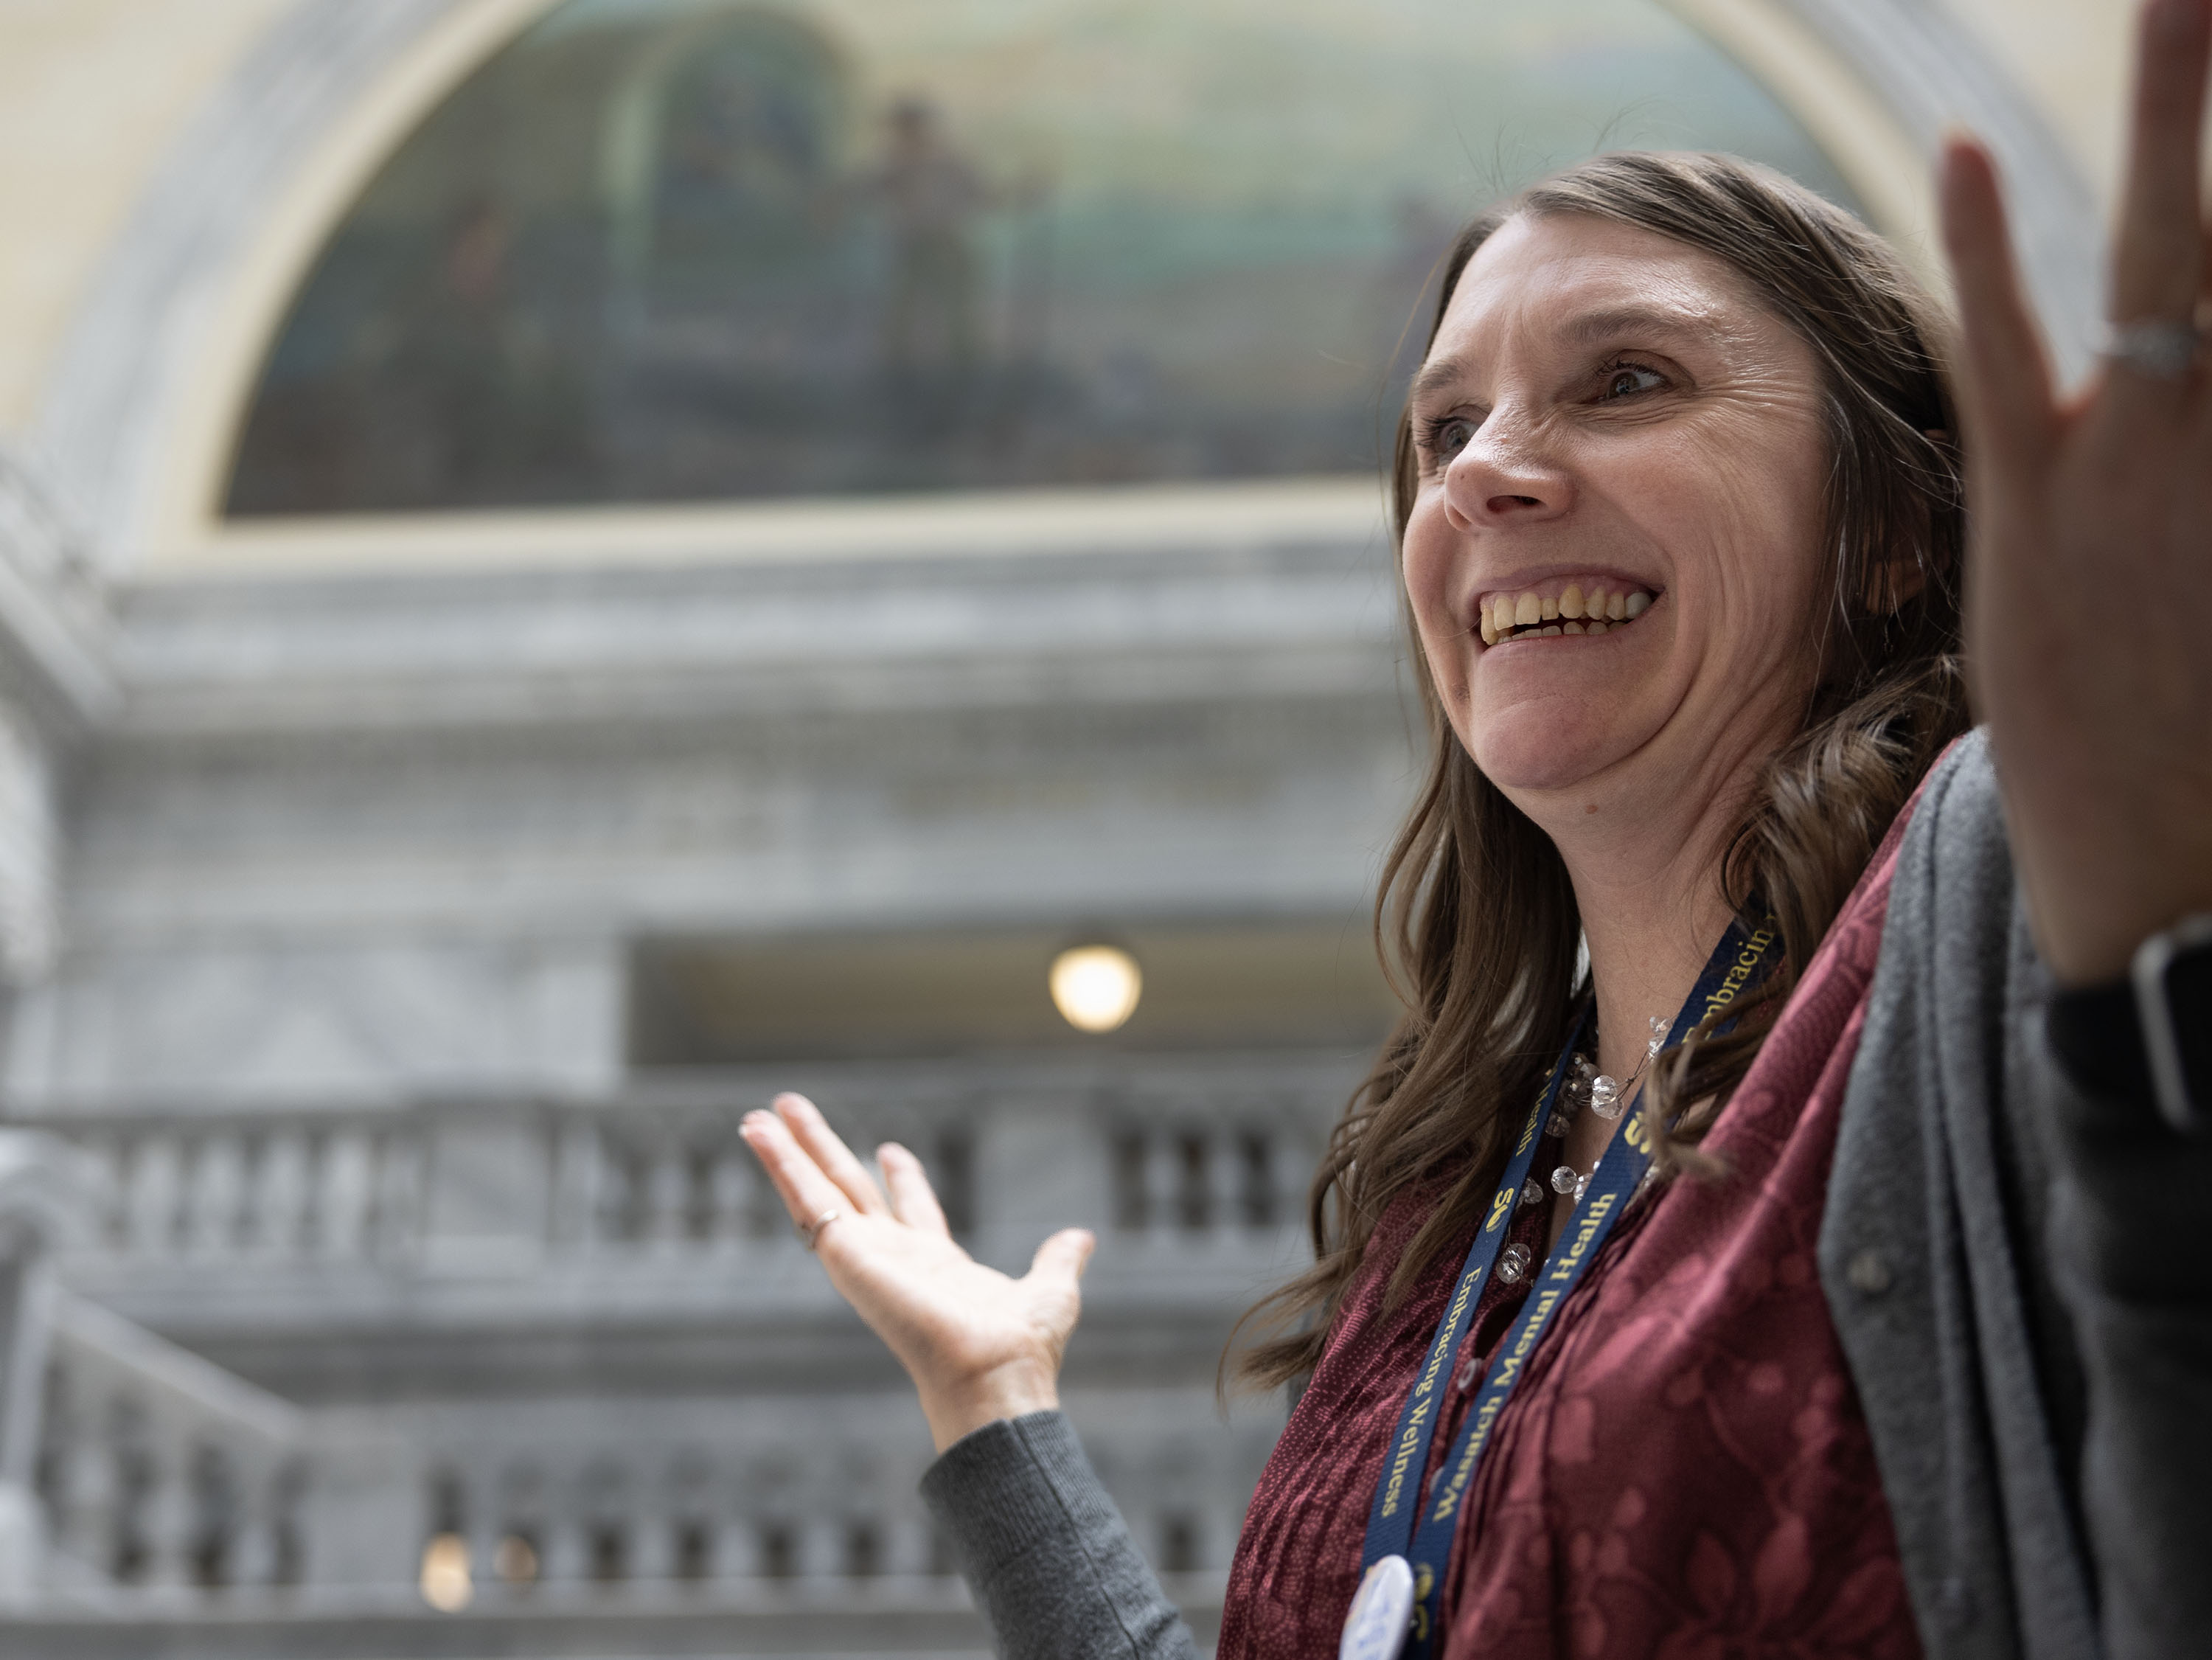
{"x":1771,"y":1227}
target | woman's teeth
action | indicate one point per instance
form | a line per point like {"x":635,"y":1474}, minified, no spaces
{"x":1573,"y":611}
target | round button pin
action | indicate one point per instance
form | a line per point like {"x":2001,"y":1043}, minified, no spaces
{"x":1381,"y":1613}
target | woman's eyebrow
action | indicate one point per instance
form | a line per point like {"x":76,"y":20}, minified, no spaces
{"x":1583,"y":328}
{"x":1588,"y":327}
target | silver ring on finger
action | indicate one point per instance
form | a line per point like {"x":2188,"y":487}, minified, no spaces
{"x":808,"y":1232}
{"x":2164,"y":348}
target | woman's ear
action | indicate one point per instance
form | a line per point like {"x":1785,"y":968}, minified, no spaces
{"x":1890,"y":583}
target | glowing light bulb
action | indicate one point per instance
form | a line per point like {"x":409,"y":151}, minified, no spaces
{"x":1095,"y":988}
{"x":447,"y":1585}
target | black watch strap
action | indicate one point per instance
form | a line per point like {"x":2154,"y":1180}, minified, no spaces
{"x":2147,"y":1037}
{"x":2099,"y":1040}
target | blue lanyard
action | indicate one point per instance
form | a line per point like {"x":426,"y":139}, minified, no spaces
{"x":1734,"y":966}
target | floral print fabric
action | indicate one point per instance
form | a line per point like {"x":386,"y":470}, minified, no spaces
{"x":1684,"y":1472}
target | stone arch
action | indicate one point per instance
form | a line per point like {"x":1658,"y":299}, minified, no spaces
{"x":140,"y":408}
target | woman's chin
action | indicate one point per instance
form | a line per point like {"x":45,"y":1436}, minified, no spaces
{"x":1534,"y":751}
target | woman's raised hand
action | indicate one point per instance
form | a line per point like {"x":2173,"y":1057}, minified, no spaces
{"x":2089,"y":581}
{"x":979,"y":1345}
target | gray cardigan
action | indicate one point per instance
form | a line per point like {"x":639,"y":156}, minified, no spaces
{"x":2019,"y":1275}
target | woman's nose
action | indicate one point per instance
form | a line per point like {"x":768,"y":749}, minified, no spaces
{"x":1504,"y":476}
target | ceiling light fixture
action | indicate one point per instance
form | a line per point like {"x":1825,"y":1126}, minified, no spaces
{"x":1096,"y":987}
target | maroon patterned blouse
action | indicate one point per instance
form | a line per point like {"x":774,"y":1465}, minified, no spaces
{"x":1684,"y":1470}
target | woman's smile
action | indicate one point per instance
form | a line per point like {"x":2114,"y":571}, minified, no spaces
{"x":1556,"y":610}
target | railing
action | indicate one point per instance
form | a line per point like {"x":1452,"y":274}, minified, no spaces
{"x":159,"y":1469}
{"x":1169,"y":1151}
{"x":769,"y":1496}
{"x":246,"y":1189}
{"x":172,"y":1486}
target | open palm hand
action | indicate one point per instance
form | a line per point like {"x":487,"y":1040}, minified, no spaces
{"x":979,"y":1345}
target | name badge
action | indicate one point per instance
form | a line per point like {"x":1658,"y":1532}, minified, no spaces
{"x":1381,"y":1613}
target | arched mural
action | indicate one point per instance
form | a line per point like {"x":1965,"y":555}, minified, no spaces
{"x":664,"y":250}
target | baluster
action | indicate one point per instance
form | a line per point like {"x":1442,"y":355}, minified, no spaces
{"x":619,"y":1202}
{"x":343,"y":1194}
{"x":667,"y":1189}
{"x":579,"y":1161}
{"x":484,"y":1524}
{"x":400,"y":1183}
{"x":905,"y":1542}
{"x":93,"y":1480}
{"x":155,"y":1182}
{"x":221,"y":1182}
{"x":649,"y":1519}
{"x":124,"y":1550}
{"x":215,"y":1503}
{"x":253,"y":1547}
{"x":765,"y":1216}
{"x":732,"y":1188}
{"x":164,"y":1495}
{"x":288,"y":1490}
{"x":280,"y":1201}
{"x":520,"y":1514}
{"x":821,"y":1543}
{"x":563,"y":1555}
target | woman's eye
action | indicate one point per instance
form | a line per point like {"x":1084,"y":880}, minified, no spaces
{"x":1626,"y":379}
{"x":1448,"y":436}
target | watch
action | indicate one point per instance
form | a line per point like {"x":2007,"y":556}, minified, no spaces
{"x":2151,"y":1034}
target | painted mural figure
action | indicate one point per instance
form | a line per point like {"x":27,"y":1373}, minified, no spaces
{"x":930,"y":197}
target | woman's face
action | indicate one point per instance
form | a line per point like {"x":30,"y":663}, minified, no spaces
{"x":1614,"y":548}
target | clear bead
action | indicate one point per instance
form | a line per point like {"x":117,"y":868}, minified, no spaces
{"x":1531,"y":1191}
{"x":1556,"y":1124}
{"x":1582,"y":1187}
{"x":1512,"y":1263}
{"x":1563,"y":1179}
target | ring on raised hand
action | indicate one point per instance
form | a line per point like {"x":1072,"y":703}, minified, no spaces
{"x":2162,"y":346}
{"x":809,"y":1233}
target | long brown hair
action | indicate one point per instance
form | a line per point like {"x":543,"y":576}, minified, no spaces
{"x":1476,"y":921}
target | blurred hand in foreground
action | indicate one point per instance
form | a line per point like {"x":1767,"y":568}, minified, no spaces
{"x":2089,"y":575}
{"x":979,"y":1345}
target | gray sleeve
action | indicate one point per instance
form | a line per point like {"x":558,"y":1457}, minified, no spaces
{"x":2130,"y":1206}
{"x":1931,"y":1255}
{"x":2020,"y":1277}
{"x":1049,"y":1558}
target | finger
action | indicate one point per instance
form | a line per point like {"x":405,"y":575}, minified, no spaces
{"x":1062,"y":1259}
{"x":2156,"y":256}
{"x":913,"y":1201}
{"x":812,"y":1131}
{"x":2004,"y":379}
{"x":806,"y":1193}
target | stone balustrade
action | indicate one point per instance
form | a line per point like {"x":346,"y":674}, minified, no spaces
{"x":171,"y":1485}
{"x":540,"y":1249}
{"x":552,"y":1500}
{"x":158,"y":1469}
{"x":1178,"y":1154}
